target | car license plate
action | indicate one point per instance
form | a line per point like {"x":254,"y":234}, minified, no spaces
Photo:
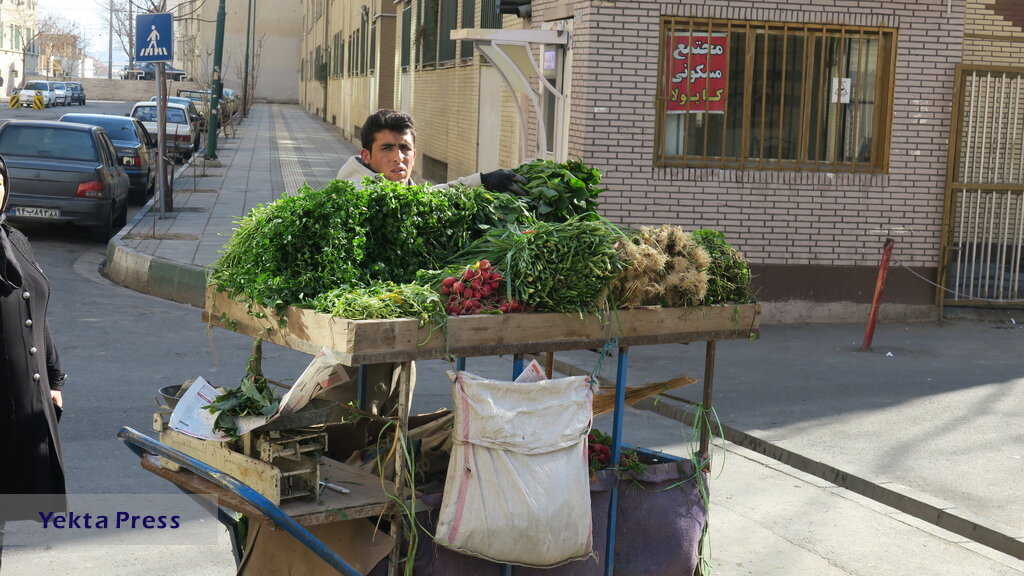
{"x":33,"y":212}
{"x":128,"y":161}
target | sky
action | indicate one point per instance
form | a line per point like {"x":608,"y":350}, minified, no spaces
{"x":91,"y":17}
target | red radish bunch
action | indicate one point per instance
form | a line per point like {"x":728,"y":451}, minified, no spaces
{"x":599,"y":454}
{"x":475,"y":291}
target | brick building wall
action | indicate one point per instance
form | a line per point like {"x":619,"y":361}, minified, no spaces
{"x":994,"y":33}
{"x":809,"y":236}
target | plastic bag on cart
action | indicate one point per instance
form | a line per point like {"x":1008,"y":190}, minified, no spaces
{"x":517,"y":489}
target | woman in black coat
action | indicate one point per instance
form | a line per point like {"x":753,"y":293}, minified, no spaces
{"x":31,"y":379}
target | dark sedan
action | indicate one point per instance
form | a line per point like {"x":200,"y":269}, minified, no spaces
{"x":64,"y":172}
{"x":135,"y":148}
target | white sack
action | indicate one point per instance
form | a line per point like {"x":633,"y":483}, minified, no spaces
{"x":518,"y":488}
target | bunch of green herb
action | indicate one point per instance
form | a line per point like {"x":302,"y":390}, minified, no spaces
{"x":728,"y":273}
{"x":296,"y":247}
{"x":383,"y":300}
{"x":410,"y":228}
{"x":559,"y":191}
{"x":293,"y":250}
{"x":554,"y":267}
{"x":252,"y":398}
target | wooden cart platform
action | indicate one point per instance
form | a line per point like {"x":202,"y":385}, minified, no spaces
{"x":373,"y":341}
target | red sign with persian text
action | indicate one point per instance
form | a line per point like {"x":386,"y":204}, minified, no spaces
{"x":698,"y":73}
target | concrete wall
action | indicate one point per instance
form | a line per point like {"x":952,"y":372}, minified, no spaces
{"x":124,"y":90}
{"x":277,"y":35}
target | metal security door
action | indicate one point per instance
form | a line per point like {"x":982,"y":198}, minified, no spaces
{"x":983,"y":218}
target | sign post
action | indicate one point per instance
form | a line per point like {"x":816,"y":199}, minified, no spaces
{"x":154,"y":42}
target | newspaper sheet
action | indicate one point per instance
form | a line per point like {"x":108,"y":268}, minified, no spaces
{"x":191,"y":417}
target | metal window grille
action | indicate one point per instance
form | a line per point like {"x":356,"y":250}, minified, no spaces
{"x":406,"y":36}
{"x":448,"y":21}
{"x":774,"y":96}
{"x":489,"y":17}
{"x":341,"y":54}
{"x":352,"y":71}
{"x":428,"y":46}
{"x":468,"y":15}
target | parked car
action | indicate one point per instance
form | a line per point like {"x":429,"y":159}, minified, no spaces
{"x":175,"y":74}
{"x":30,"y":89}
{"x":61,"y":96}
{"x":135,"y":149}
{"x":77,"y":92}
{"x":131,"y":72}
{"x":200,"y":100}
{"x":179,"y":127}
{"x":64,"y":172}
{"x":197,"y":119}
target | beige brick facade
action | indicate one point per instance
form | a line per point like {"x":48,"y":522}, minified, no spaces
{"x":810,"y":236}
{"x":994,"y":33}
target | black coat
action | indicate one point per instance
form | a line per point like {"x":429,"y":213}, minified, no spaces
{"x":30,"y":454}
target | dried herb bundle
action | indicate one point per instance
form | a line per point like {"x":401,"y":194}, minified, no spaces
{"x":665,"y":268}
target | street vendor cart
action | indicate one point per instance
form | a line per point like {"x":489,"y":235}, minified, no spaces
{"x":197,"y":469}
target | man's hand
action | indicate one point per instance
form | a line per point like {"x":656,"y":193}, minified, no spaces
{"x":505,"y":181}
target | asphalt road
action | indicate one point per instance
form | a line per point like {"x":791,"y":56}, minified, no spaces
{"x":119,"y":347}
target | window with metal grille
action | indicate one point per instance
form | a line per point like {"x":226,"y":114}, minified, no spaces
{"x":363,"y":60}
{"x":406,"y":36}
{"x":468,"y":14}
{"x":489,"y":17}
{"x":773,"y":96}
{"x":428,"y":40}
{"x":341,"y":54}
{"x":352,"y":54}
{"x":449,"y":20}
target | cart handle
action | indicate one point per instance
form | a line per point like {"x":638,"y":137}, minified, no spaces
{"x":140,"y":443}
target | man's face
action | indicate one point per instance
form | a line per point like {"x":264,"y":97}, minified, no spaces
{"x":393,"y":155}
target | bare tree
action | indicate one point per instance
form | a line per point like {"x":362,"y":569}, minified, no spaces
{"x":55,"y":37}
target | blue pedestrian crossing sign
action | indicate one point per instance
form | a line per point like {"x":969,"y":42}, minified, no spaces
{"x":154,"y":37}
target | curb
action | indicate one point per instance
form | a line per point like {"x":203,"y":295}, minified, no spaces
{"x":160,"y":277}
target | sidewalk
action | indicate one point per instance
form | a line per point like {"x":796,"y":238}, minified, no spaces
{"x":905,"y":460}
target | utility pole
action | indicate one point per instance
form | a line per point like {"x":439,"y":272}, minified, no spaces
{"x":245,"y":76}
{"x":218,"y":53}
{"x":110,"y":41}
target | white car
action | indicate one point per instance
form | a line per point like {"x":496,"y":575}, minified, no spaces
{"x":179,"y":126}
{"x":61,"y":94}
{"x":41,"y":87}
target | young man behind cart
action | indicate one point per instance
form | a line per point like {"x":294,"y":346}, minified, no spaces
{"x":388,"y":138}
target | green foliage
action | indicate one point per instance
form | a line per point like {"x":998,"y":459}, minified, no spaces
{"x":411,"y":228}
{"x":728,"y":275}
{"x":292,"y":250}
{"x":557,"y":192}
{"x":299,"y":246}
{"x":383,"y":300}
{"x":252,"y":398}
{"x":553,"y":267}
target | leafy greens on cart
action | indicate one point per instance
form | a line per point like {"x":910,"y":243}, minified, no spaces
{"x":385,"y":250}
